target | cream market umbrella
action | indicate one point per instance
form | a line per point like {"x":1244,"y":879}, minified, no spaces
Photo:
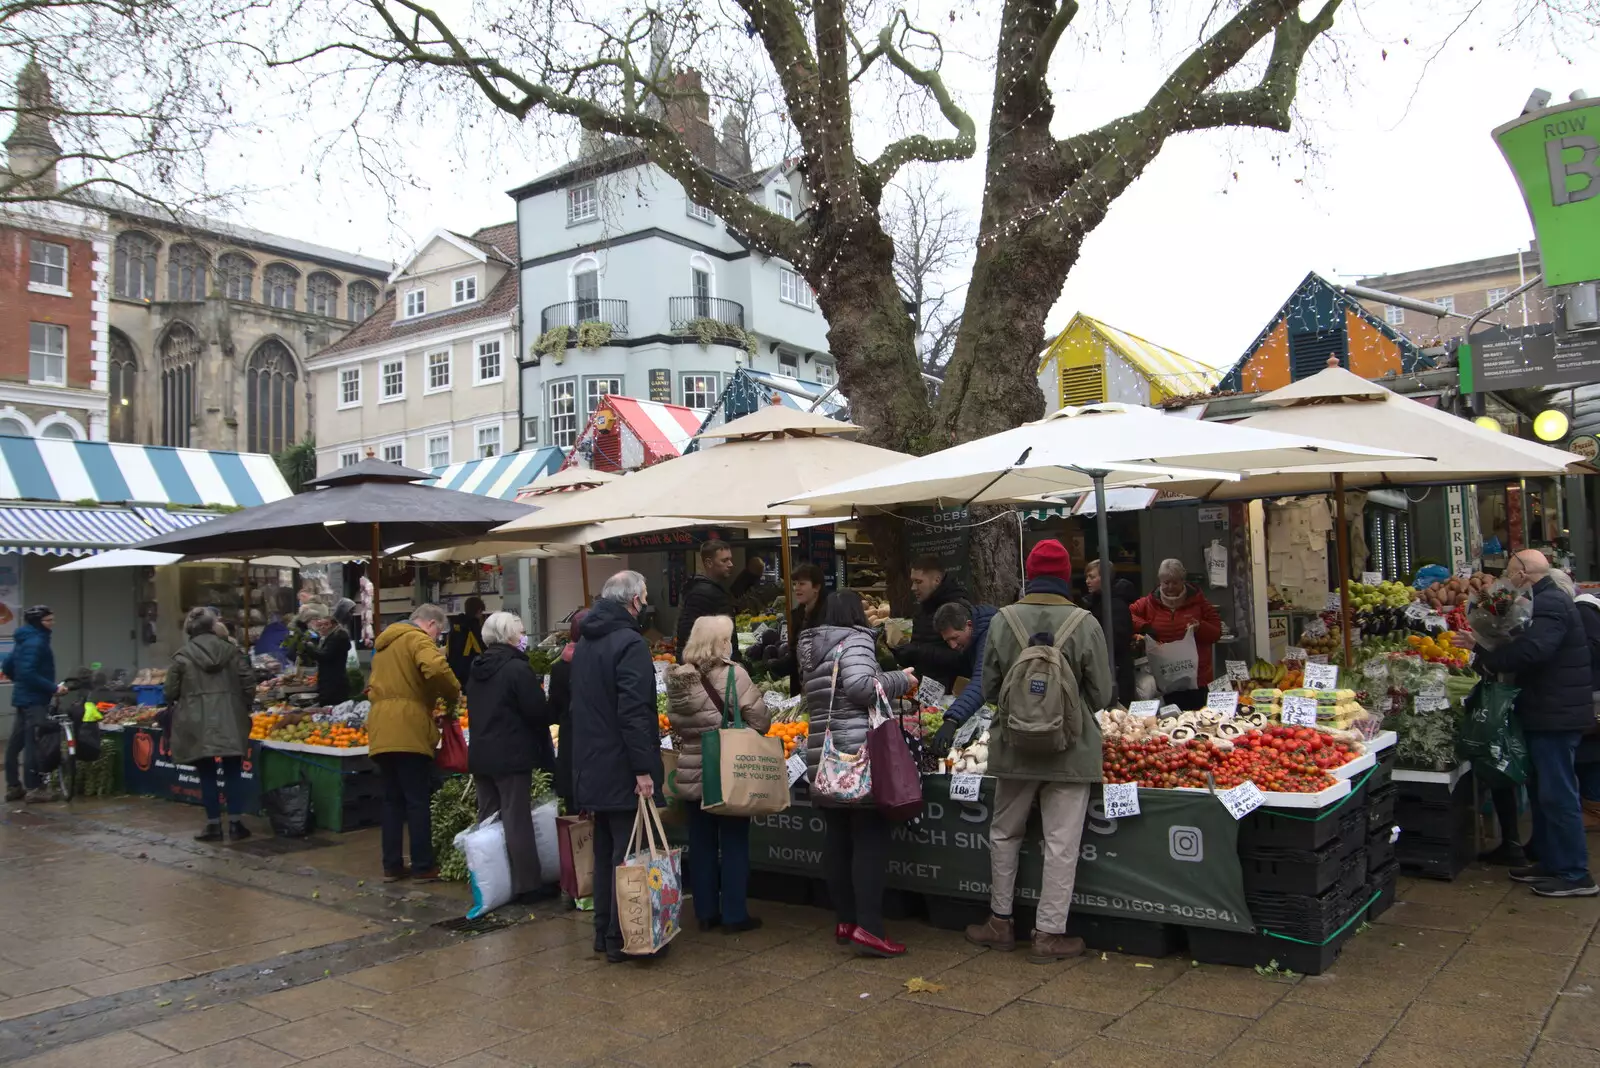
{"x":1343,"y":407}
{"x":1081,"y":448}
{"x":734,"y":475}
{"x":1339,"y":406}
{"x":773,"y":455}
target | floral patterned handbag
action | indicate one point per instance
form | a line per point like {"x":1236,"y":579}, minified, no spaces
{"x":843,"y":778}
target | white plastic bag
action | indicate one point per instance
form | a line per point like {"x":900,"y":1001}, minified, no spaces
{"x":488,"y":865}
{"x":1175,"y":665}
{"x":544,"y":839}
{"x":1144,"y":685}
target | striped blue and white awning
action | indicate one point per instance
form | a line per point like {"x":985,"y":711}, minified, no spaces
{"x":69,"y":530}
{"x":498,"y":476}
{"x":77,"y":472}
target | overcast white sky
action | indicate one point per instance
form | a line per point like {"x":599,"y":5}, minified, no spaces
{"x":1405,"y":176}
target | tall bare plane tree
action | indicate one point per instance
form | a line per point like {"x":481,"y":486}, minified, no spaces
{"x":830,"y":59}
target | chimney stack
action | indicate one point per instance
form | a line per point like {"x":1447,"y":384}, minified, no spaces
{"x":689,"y":112}
{"x":733,"y":150}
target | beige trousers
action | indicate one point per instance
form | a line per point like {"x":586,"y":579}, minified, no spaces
{"x":1063,"y":807}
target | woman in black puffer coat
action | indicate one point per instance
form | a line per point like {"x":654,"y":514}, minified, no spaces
{"x":839,"y":662}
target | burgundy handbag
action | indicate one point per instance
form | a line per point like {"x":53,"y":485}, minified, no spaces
{"x":896,"y":783}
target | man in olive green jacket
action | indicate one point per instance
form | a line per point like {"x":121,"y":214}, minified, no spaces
{"x":1061,"y":780}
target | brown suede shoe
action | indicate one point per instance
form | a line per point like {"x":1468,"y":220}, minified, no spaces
{"x":1049,"y":948}
{"x":994,"y":933}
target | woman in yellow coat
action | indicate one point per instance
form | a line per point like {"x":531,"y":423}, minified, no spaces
{"x":409,"y":676}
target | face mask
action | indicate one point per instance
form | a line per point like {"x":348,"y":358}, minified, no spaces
{"x":522,"y":644}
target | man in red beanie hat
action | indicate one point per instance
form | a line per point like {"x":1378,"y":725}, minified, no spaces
{"x":1046,"y":672}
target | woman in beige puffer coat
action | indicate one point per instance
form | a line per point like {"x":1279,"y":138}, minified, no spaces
{"x":719,"y":846}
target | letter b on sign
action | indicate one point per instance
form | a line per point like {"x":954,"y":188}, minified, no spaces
{"x":1586,"y":166}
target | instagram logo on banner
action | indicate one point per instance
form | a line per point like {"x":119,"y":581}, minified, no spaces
{"x":1186,"y":843}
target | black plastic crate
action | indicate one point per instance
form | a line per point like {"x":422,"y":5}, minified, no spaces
{"x":1353,"y":830}
{"x":1353,"y":875}
{"x":1432,"y":858}
{"x":952,"y":913}
{"x":1382,"y":882}
{"x":1285,"y":828}
{"x":1436,"y":793}
{"x":1312,"y":919}
{"x":1383,"y":770}
{"x":779,"y":886}
{"x":1434,"y":821}
{"x":1380,"y":847}
{"x":1381,"y":805}
{"x":360,"y":812}
{"x":1210,"y":946}
{"x":1293,"y":871}
{"x":1141,"y":938}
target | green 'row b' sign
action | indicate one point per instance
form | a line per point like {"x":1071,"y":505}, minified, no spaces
{"x":1555,"y":154}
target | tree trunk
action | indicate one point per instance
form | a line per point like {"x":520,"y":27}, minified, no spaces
{"x":873,"y":341}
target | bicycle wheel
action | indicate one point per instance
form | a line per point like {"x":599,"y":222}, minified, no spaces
{"x":69,"y":775}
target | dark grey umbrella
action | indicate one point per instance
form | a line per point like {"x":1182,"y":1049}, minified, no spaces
{"x":344,"y":514}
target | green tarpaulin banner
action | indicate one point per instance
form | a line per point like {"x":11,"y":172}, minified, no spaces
{"x":1176,"y":862}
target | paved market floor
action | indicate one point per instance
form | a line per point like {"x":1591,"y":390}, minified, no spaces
{"x":123,"y":944}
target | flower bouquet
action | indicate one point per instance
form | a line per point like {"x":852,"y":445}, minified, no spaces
{"x":1497,"y":613}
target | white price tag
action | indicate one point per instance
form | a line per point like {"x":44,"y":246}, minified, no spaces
{"x":1294,"y":652}
{"x":1145,"y":708}
{"x":797,"y":768}
{"x":1416,"y":612}
{"x":1121,"y":800}
{"x":1434,"y":621}
{"x":1432,"y":703}
{"x":1319,"y":658}
{"x":1242,"y":799}
{"x":661,"y":677}
{"x":929,"y":692}
{"x":1224,"y":701}
{"x":965,"y":787}
{"x":1220,"y":684}
{"x":772,"y":700}
{"x":1465,"y":571}
{"x":666,"y":741}
{"x":1355,"y":636}
{"x":1300,"y":711}
{"x":1322,"y":676}
{"x":1238,"y":670}
{"x":1371,"y":578}
{"x":1333,"y":602}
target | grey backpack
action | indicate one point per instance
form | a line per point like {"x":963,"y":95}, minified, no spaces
{"x":1040,"y":696}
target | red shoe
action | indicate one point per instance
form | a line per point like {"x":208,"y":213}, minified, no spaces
{"x":842,"y":933}
{"x":870,"y":945}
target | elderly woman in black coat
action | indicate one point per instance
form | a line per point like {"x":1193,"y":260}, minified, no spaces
{"x":510,"y":738}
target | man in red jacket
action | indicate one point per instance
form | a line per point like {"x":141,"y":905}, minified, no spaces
{"x":1172,"y":609}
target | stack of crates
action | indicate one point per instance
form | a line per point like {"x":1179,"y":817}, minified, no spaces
{"x":1308,"y":878}
{"x":1438,"y":827}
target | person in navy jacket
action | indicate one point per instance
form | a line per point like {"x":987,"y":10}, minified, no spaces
{"x":31,"y":667}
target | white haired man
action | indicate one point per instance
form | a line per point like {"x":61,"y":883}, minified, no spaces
{"x":616,"y":752}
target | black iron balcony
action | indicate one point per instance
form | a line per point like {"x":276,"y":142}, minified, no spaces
{"x":574,"y":313}
{"x":685,"y":310}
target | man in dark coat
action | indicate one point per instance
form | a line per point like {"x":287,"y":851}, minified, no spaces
{"x":1123,"y":594}
{"x":616,"y":751}
{"x":466,"y":639}
{"x":1549,"y":661}
{"x":965,"y":628}
{"x":704,"y":594}
{"x":31,"y":667}
{"x":927,"y":650}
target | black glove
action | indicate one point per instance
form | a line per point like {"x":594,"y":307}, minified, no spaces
{"x":944,"y":737}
